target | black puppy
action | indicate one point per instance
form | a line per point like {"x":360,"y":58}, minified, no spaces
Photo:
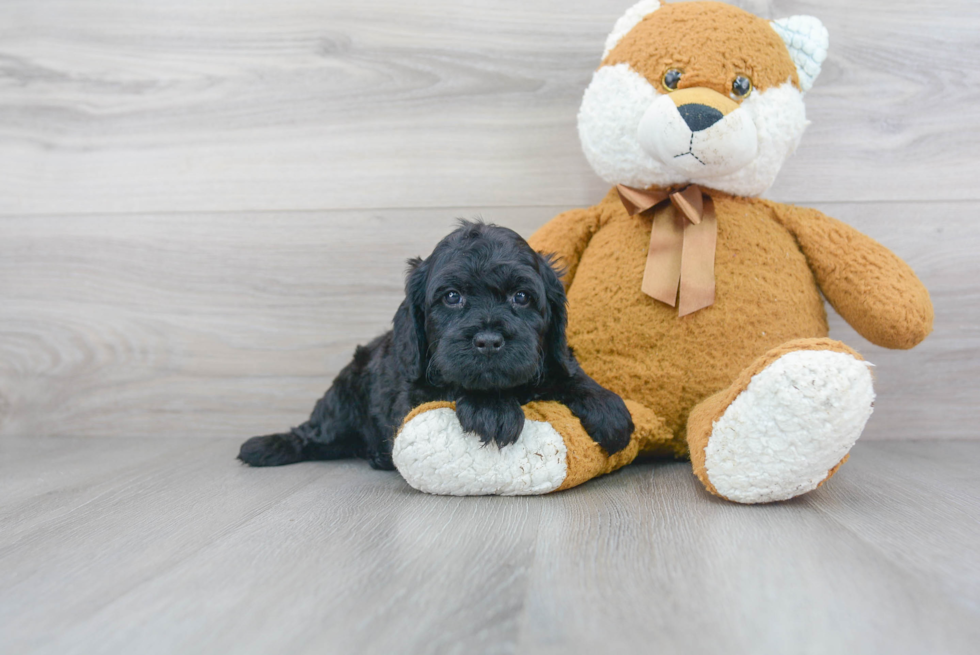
{"x":482,"y":324}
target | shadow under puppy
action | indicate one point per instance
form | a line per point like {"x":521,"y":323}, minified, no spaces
{"x":482,"y":324}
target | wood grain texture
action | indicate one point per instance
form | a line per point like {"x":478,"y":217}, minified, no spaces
{"x":115,"y":106}
{"x":164,"y":546}
{"x":191,"y":325}
{"x":232,"y":325}
{"x":155,"y":280}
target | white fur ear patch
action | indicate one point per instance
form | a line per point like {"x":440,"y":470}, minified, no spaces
{"x":628,"y":21}
{"x":807,"y":40}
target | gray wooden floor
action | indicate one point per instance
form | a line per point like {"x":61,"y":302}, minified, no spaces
{"x":169,"y":546}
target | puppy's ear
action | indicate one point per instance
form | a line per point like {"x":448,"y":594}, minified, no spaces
{"x":410,"y":342}
{"x":557,"y":354}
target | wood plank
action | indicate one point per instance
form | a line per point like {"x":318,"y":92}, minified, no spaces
{"x":115,"y":532}
{"x":652,"y":563}
{"x":367,"y":570}
{"x":114,"y":106}
{"x":925,"y":502}
{"x":201,"y":555}
{"x":227,"y":325}
{"x":74,"y":470}
{"x":361,"y":549}
{"x":123,"y":325}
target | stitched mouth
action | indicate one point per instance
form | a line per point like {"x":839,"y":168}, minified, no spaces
{"x":690,"y":152}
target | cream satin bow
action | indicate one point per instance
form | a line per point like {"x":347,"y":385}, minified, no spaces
{"x":682,"y":245}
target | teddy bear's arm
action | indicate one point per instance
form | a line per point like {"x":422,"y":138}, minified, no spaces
{"x":567,"y":235}
{"x":868,"y":285}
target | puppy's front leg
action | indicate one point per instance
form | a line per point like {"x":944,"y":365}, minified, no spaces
{"x":603,"y":414}
{"x":493,"y":416}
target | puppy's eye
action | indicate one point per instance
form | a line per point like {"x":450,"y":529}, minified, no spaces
{"x":741,"y":87}
{"x":522,"y":298}
{"x":453,"y":298}
{"x":671,"y":78}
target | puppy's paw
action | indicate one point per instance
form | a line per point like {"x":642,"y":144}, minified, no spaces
{"x":381,"y":460}
{"x":271,"y":450}
{"x":605,"y":417}
{"x":493,"y":417}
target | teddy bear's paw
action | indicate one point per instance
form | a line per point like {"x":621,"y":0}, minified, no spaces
{"x":435,"y":455}
{"x":787,"y":431}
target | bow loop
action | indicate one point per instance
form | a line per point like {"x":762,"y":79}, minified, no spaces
{"x":637,"y":201}
{"x":689,"y":201}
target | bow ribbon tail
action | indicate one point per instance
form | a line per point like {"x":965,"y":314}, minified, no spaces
{"x":664,"y":257}
{"x":697,"y":274}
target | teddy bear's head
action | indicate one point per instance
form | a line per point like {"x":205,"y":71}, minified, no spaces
{"x":699,"y":92}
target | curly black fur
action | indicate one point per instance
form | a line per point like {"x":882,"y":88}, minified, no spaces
{"x":482,"y":324}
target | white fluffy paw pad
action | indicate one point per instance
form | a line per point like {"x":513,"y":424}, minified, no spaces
{"x":794,"y":422}
{"x":435,"y":455}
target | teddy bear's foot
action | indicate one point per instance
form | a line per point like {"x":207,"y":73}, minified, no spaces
{"x":553,"y":452}
{"x":785,"y":426}
{"x":435,"y":455}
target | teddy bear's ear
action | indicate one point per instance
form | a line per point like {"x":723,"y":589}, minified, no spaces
{"x":628,"y":21}
{"x":807,"y":41}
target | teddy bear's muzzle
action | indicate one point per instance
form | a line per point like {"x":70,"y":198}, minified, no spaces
{"x":698,"y":132}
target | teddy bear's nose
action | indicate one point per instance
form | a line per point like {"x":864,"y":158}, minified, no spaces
{"x":699,"y":117}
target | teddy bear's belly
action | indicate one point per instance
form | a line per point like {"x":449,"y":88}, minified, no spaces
{"x":638,"y":347}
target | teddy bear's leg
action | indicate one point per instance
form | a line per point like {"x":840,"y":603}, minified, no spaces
{"x":785,"y":425}
{"x":435,"y":455}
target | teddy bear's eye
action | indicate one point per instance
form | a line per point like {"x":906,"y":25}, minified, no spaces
{"x":741,"y":87}
{"x":671,"y":78}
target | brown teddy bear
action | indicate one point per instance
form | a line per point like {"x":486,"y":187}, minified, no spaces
{"x":691,"y":297}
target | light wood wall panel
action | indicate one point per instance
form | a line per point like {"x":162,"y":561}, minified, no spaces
{"x":227,"y":324}
{"x":199,"y":201}
{"x":184,"y":105}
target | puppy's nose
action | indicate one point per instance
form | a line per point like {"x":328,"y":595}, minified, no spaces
{"x":488,"y":342}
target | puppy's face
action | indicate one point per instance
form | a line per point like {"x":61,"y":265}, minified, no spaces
{"x":492,"y":311}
